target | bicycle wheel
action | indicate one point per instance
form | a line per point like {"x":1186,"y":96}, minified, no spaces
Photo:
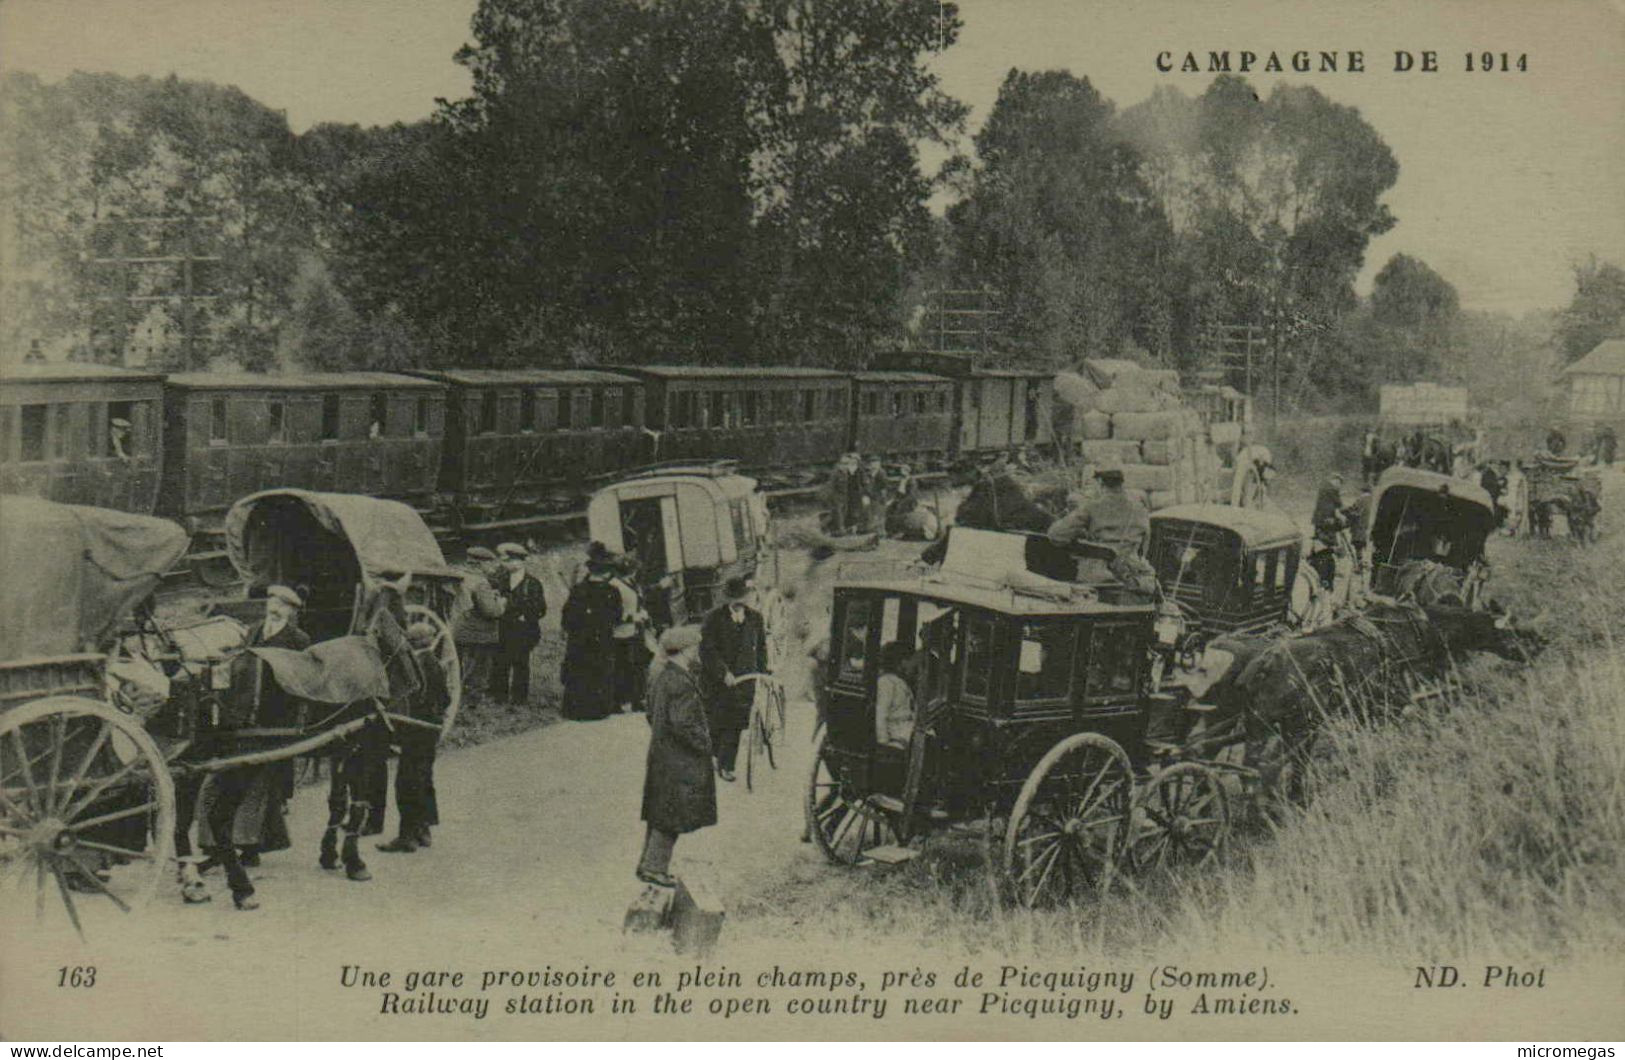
{"x":753,"y":745}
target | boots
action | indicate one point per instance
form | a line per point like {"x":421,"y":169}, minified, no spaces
{"x":330,"y":849}
{"x":401,"y":844}
{"x":422,"y":836}
{"x":354,"y":867}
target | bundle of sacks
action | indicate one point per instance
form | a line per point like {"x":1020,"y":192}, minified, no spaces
{"x":1131,"y":418}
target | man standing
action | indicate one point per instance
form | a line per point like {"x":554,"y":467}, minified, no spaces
{"x":1328,"y":523}
{"x":519,"y":629}
{"x":840,"y":490}
{"x":876,"y":490}
{"x":733,"y":643}
{"x":589,"y":619}
{"x":679,"y":792}
{"x":475,"y":630}
{"x":415,"y":803}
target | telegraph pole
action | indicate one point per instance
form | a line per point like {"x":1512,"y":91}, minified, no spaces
{"x":128,"y":262}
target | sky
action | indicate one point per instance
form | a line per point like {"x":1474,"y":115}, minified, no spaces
{"x":1506,"y":179}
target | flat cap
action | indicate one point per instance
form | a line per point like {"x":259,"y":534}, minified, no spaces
{"x":285,"y":594}
{"x":118,"y":422}
{"x":512,"y":550}
{"x":679,"y":638}
{"x":480,"y":552}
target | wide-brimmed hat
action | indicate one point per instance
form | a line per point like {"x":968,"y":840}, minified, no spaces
{"x":512,"y":550}
{"x":679,"y":638}
{"x":285,"y":594}
{"x":480,"y":552}
{"x":736,"y":589}
{"x":117,"y":422}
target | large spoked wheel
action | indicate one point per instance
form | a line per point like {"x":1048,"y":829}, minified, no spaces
{"x":843,"y":824}
{"x":1181,"y":818}
{"x":444,"y":650}
{"x":1070,"y":825}
{"x":87,"y":805}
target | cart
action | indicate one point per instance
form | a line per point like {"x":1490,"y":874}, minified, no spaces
{"x":1224,"y":569}
{"x":1427,"y":533}
{"x":1564,"y":486}
{"x":691,"y":528}
{"x":1037,"y":720}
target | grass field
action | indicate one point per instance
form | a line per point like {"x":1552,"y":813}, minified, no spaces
{"x":1493,"y":820}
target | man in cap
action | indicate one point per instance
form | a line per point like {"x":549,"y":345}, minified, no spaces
{"x":1113,"y":516}
{"x":414,"y":775}
{"x":519,"y":629}
{"x":733,"y":644}
{"x":119,"y":433}
{"x":478,"y":614}
{"x":679,"y":791}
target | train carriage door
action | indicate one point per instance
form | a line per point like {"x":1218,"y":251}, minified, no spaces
{"x":213,"y":485}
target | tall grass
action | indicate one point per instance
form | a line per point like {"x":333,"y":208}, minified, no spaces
{"x":1491,"y":820}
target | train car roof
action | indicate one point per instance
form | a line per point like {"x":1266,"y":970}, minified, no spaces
{"x":74,"y":372}
{"x":718,"y":371}
{"x":1257,"y":527}
{"x":300,"y":381}
{"x":525,"y":376}
{"x":1009,"y":373}
{"x":899,"y":377}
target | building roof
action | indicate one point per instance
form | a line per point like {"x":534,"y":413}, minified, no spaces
{"x":299,"y":381}
{"x":1257,"y":527}
{"x":717,"y":371}
{"x":1608,"y":358}
{"x":526,"y":377}
{"x":72,"y":372}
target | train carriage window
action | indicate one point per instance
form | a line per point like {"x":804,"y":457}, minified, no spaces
{"x":681,"y":409}
{"x":116,"y":437}
{"x":919,"y":402}
{"x":1044,"y":668}
{"x":899,"y":403}
{"x":716,"y":411}
{"x":854,"y":643}
{"x":420,"y":418}
{"x":32,"y":441}
{"x":527,"y":411}
{"x":6,"y":418}
{"x":1115,"y":655}
{"x":627,"y":399}
{"x":596,"y":413}
{"x":488,"y":412}
{"x":809,"y":406}
{"x":330,"y":417}
{"x":60,"y":430}
{"x":218,"y":421}
{"x":751,"y":412}
{"x":277,"y":422}
{"x":942,"y":401}
{"x":566,"y":418}
{"x":977,"y":678}
{"x":1032,"y":410}
{"x":378,"y":416}
{"x":871,"y":402}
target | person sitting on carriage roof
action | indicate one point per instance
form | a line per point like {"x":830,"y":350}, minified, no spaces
{"x":1113,"y":516}
{"x":415,"y":803}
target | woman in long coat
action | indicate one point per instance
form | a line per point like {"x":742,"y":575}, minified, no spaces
{"x":679,"y":789}
{"x":588,"y":672}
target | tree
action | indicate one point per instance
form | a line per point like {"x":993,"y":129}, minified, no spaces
{"x":1597,"y":310}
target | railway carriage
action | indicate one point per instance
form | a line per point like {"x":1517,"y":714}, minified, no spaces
{"x":904,"y":416}
{"x":232,"y":434}
{"x":995,"y":409}
{"x":521,"y":444}
{"x":768,"y":418}
{"x":62,"y":435}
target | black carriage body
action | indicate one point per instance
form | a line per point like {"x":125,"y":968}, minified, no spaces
{"x":522,"y":443}
{"x":57,"y":438}
{"x":995,"y":409}
{"x":1424,"y":515}
{"x":765,"y":418}
{"x":1008,"y":677}
{"x":229,"y":435}
{"x":1230,"y":569}
{"x":903,"y":415}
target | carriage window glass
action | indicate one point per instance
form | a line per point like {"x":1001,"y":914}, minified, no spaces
{"x":942,"y":401}
{"x":527,"y":410}
{"x":751,"y":407}
{"x":33,"y":433}
{"x":854,"y":642}
{"x":935,"y":631}
{"x":977,"y":680}
{"x":871,"y":403}
{"x":741,"y":524}
{"x":420,"y":419}
{"x":629,"y":407}
{"x":277,"y":421}
{"x":1280,"y":569}
{"x":678,"y":414}
{"x":891,"y":610}
{"x":565,"y":410}
{"x":330,"y":417}
{"x":217,"y":420}
{"x":919,"y":402}
{"x":595,"y":413}
{"x":719,"y":405}
{"x":1261,"y":573}
{"x":60,"y":431}
{"x":1115,"y":653}
{"x":378,"y":416}
{"x":898,"y":403}
{"x":809,"y":406}
{"x":1044,"y":667}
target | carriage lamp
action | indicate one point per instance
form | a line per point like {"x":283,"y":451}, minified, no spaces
{"x":1169,"y":625}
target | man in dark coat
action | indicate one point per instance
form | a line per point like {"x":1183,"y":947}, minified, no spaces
{"x":414,"y":775}
{"x":242,"y":809}
{"x":590,"y":616}
{"x":479,"y":610}
{"x":679,"y":791}
{"x":998,"y":502}
{"x":733,"y":643}
{"x":520,"y":627}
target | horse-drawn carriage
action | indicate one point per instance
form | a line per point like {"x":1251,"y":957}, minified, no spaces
{"x":1427,"y":534}
{"x":113,"y":722}
{"x":1040,"y":714}
{"x":1228,"y":570}
{"x":1563,"y":486}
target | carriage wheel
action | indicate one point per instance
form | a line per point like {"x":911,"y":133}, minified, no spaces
{"x":843,"y":825}
{"x":1181,"y":817}
{"x":87,"y":805}
{"x":1070,"y":825}
{"x":445,"y":653}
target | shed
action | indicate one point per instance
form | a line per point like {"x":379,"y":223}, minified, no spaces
{"x":1594,"y":386}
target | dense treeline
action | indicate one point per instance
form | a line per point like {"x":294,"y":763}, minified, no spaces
{"x":722,"y":180}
